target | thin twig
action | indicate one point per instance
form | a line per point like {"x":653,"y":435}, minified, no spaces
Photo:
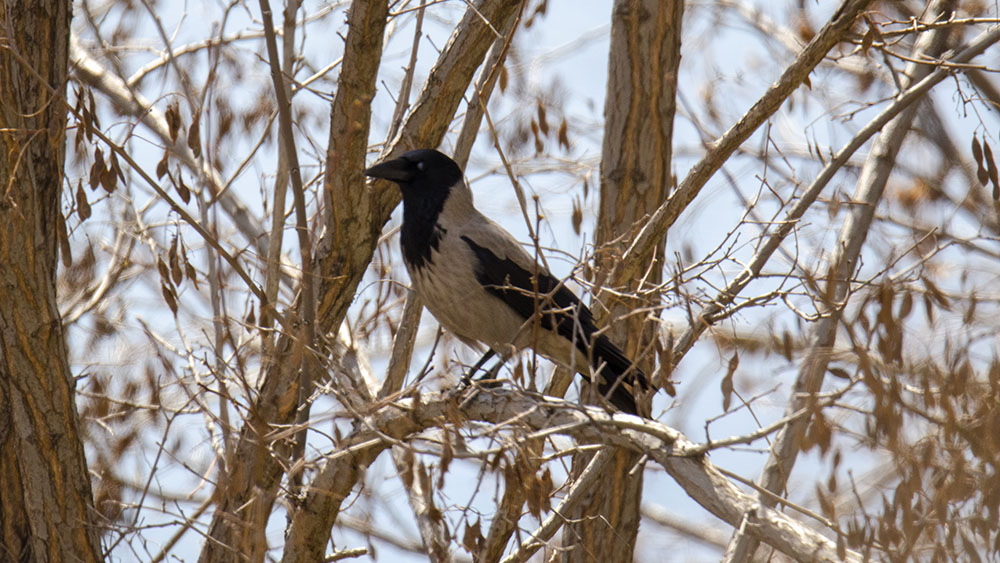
{"x":580,"y":490}
{"x":307,"y":311}
{"x":797,"y":72}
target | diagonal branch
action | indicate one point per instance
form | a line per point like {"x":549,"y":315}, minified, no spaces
{"x":709,"y":314}
{"x":871,"y":185}
{"x":798,"y":72}
{"x":580,"y":489}
{"x":89,"y":71}
{"x":702,"y":481}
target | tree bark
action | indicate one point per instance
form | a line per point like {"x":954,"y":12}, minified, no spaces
{"x":354,"y":221}
{"x":635,"y":179}
{"x":46,"y":506}
{"x":871,"y":185}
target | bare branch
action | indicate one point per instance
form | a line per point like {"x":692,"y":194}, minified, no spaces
{"x":502,"y":408}
{"x":871,"y":185}
{"x":794,"y":75}
{"x":89,"y":71}
{"x":707,"y":316}
{"x":581,"y":487}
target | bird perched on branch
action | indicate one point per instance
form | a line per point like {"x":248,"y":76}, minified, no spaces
{"x":483,"y":286}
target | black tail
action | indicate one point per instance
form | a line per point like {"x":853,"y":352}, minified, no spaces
{"x":620,"y":378}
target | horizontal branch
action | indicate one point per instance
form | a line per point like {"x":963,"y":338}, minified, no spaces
{"x":700,"y":479}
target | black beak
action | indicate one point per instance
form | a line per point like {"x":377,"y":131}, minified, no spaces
{"x":397,"y":170}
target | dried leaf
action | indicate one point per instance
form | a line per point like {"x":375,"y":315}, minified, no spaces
{"x":169,"y":297}
{"x":82,"y":205}
{"x":88,"y":124}
{"x":977,"y":155}
{"x":173,"y":117}
{"x":176,"y":273}
{"x":840,"y":373}
{"x":991,"y":167}
{"x":472,"y":539}
{"x":251,"y":318}
{"x":577,"y":217}
{"x":936,"y":294}
{"x":905,"y":306}
{"x":163,"y":269}
{"x":866,"y":41}
{"x":96,"y":170}
{"x":542,"y":121}
{"x":193,"y":136}
{"x":970,"y":312}
{"x":161,"y":167}
{"x":182,"y":190}
{"x":727,"y":381}
{"x":563,"y":134}
{"x":929,"y":309}
{"x":503,"y":79}
{"x":63,"y":235}
{"x":93,"y":108}
{"x":109,"y":180}
{"x":190,"y":273}
{"x":116,"y":167}
{"x":977,"y":151}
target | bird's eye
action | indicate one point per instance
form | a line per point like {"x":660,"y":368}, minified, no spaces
{"x":420,"y":165}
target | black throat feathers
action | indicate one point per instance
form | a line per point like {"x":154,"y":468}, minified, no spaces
{"x":421,"y":233}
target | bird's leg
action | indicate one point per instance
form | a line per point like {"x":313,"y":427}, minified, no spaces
{"x":467,"y":379}
{"x":488,"y":377}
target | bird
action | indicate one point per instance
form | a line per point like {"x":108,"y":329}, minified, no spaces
{"x":483,"y":286}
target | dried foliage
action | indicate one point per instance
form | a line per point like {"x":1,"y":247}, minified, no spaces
{"x":826,"y":297}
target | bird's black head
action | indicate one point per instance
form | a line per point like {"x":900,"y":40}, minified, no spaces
{"x":425,"y":177}
{"x":419,"y":173}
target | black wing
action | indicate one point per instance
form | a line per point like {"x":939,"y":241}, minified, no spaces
{"x":561,"y":311}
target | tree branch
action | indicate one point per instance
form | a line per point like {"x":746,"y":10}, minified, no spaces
{"x":502,"y":408}
{"x":657,"y":225}
{"x":580,"y":489}
{"x":871,"y":185}
{"x":89,"y":71}
{"x":707,"y":316}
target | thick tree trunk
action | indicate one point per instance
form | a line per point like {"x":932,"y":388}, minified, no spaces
{"x":354,"y":224}
{"x":46,"y":511}
{"x":635,"y":179}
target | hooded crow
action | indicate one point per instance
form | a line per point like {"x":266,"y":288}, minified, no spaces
{"x":484,"y":287}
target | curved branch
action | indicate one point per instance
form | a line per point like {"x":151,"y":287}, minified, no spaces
{"x":89,"y":71}
{"x":671,"y":449}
